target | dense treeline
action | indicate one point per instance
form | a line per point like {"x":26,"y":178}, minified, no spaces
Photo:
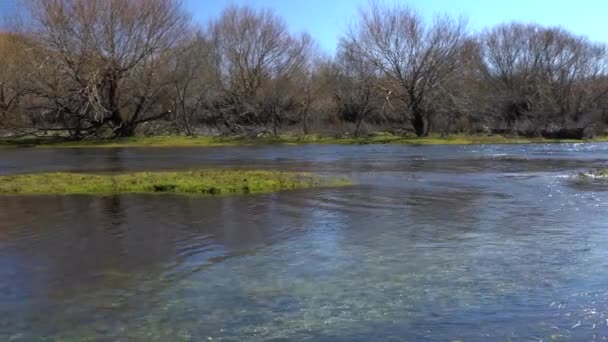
{"x":117,"y":67}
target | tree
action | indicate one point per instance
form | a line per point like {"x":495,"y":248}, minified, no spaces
{"x":356,"y":88}
{"x":258,"y":60}
{"x":542,"y":75}
{"x":415,"y":58}
{"x":10,"y":90}
{"x":193,"y":74}
{"x":112,"y":67}
{"x":101,"y":57}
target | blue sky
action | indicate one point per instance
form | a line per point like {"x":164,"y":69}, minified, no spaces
{"x":327,"y":20}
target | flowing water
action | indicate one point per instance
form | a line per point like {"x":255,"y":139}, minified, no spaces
{"x":471,"y":243}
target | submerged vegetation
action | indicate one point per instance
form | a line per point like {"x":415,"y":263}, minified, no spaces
{"x":213,"y":141}
{"x":592,"y":175}
{"x":206,"y":182}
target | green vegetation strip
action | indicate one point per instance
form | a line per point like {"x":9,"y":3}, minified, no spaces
{"x":601,"y":174}
{"x":210,"y":141}
{"x":207,"y":182}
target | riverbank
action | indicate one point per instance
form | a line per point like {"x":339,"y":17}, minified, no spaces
{"x":214,"y":141}
{"x":200,"y":182}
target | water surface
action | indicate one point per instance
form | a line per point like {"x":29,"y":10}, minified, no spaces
{"x":475,"y":243}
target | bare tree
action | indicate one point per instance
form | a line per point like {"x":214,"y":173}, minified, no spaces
{"x":101,"y":57}
{"x":193,"y":74}
{"x":357,"y":87}
{"x":111,"y":67}
{"x":415,"y":58}
{"x":258,"y":59}
{"x":9,"y":75}
{"x":542,"y":75}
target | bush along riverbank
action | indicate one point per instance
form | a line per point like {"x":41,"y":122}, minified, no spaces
{"x":199,"y":182}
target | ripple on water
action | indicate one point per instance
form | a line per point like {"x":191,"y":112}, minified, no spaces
{"x":435,"y":243}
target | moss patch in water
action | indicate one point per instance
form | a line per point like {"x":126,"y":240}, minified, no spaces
{"x":203,"y":182}
{"x":602,"y":173}
{"x":591,"y":175}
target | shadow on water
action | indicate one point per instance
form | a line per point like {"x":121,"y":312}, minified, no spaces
{"x":439,"y":243}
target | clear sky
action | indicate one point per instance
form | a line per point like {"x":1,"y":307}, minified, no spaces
{"x":327,"y":20}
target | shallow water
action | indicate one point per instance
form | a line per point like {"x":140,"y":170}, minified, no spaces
{"x":477,"y":243}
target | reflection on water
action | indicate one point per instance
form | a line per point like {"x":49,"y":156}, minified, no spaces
{"x":434,"y":243}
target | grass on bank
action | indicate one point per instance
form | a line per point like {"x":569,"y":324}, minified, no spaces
{"x":211,"y":141}
{"x":205,"y":182}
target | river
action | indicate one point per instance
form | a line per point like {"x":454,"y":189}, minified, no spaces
{"x":440,"y":243}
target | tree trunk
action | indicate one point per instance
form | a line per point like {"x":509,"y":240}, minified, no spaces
{"x":418,"y":123}
{"x":121,"y":128}
{"x":358,"y":125}
{"x":185,"y":116}
{"x":429,"y":125}
{"x":125,"y":129}
{"x":275,"y":122}
{"x":2,"y":100}
{"x":418,"y":115}
{"x":305,"y":110}
{"x":305,"y":123}
{"x":447,"y":127}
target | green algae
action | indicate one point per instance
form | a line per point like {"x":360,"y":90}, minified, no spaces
{"x":200,"y":182}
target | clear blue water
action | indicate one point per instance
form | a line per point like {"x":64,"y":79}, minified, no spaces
{"x":474,"y":243}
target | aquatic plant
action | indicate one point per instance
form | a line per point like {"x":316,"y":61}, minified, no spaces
{"x":205,"y":182}
{"x":592,"y":175}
